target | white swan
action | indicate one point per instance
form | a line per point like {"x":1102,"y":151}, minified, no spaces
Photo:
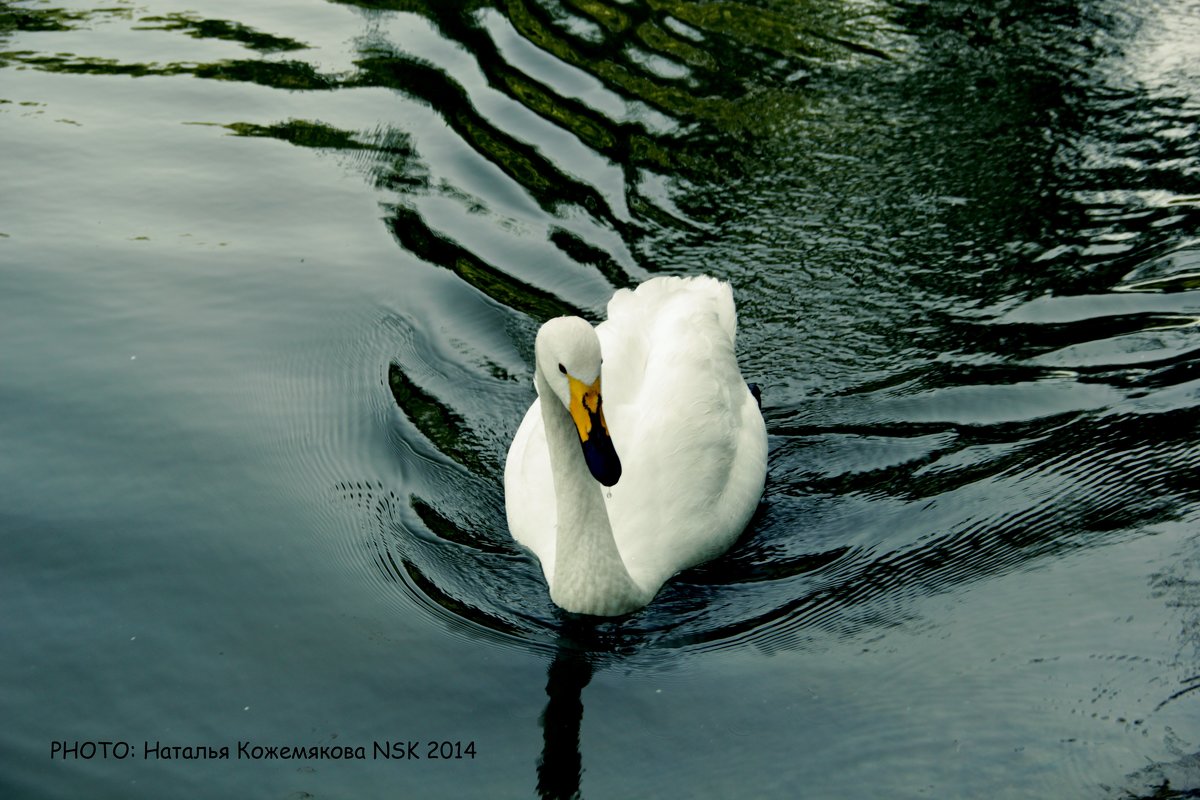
{"x":676,"y":437}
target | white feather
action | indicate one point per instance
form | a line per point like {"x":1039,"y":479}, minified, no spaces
{"x":688,"y":432}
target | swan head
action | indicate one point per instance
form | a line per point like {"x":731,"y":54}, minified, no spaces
{"x":567,"y":355}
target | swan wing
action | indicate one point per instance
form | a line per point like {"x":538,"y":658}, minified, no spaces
{"x":689,"y":433}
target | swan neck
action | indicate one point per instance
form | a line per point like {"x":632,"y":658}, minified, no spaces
{"x":589,"y":574}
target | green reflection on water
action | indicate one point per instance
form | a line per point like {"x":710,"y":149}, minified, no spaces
{"x":655,"y":37}
{"x":549,"y":185}
{"x":732,"y":36}
{"x":418,"y":238}
{"x":278,"y":74}
{"x":764,"y":29}
{"x":221,"y":29}
{"x":445,"y":429}
{"x":304,"y":133}
{"x":14,"y":18}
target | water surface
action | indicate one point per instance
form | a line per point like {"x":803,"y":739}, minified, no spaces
{"x":269,"y":281}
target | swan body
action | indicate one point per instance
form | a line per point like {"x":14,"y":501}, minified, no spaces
{"x":622,"y":475}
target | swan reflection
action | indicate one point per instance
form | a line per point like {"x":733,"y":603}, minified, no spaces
{"x":560,"y":767}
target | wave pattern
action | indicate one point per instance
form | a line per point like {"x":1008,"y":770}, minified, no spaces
{"x":963,"y":243}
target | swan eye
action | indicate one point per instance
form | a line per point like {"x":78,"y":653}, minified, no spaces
{"x":562,"y":369}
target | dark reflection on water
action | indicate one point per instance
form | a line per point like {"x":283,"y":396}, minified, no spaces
{"x":561,"y":766}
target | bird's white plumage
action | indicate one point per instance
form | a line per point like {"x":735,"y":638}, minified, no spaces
{"x":689,"y":434}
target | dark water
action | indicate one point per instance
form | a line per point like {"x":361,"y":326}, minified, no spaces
{"x":269,"y":279}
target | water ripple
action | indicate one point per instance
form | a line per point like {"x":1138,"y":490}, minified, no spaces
{"x":962,"y":239}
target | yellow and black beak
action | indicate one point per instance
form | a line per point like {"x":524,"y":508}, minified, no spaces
{"x":588,"y":415}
